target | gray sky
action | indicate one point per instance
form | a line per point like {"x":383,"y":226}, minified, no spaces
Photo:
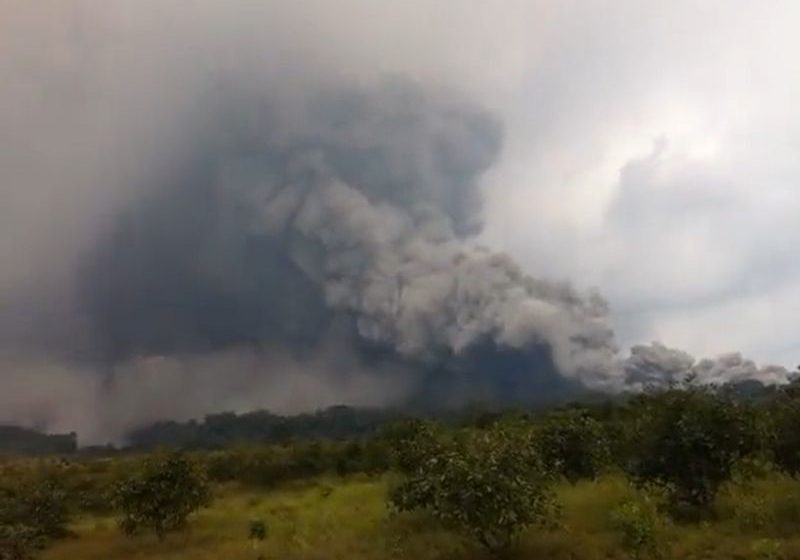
{"x":653,"y":153}
{"x":649,"y":151}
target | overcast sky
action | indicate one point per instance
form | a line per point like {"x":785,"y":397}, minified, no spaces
{"x":653,"y":152}
{"x":649,"y":149}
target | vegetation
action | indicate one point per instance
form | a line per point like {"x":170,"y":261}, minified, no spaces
{"x":489,"y":484}
{"x":16,"y":440}
{"x":573,"y":444}
{"x":161,"y":494}
{"x":334,"y":423}
{"x":785,"y":419}
{"x":688,"y":472}
{"x":689,"y":441}
{"x":637,"y":521}
{"x":33,"y":512}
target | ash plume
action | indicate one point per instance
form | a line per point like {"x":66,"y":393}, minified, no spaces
{"x":363,"y":216}
{"x":214,"y":211}
{"x":657,"y":365}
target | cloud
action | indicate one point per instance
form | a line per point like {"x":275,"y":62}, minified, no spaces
{"x":230,"y":186}
{"x":701,"y":226}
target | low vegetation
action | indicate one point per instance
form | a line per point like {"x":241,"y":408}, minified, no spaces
{"x":33,"y":512}
{"x":161,"y":494}
{"x":489,"y":485}
{"x":690,"y":472}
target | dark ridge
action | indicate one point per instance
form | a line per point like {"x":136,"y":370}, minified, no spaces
{"x":218,"y":430}
{"x":23,"y":441}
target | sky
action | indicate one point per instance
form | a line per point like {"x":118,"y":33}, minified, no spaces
{"x":643,"y":151}
{"x":658,"y":146}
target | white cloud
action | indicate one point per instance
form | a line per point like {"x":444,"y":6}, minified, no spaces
{"x":683,"y":236}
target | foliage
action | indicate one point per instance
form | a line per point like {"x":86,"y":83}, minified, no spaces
{"x":689,"y":441}
{"x":490,"y":486}
{"x":768,"y":502}
{"x":258,"y":530}
{"x":33,"y":511}
{"x":17,"y":440}
{"x":216,"y":430}
{"x":161,"y":494}
{"x":412,"y":443}
{"x":353,"y":523}
{"x":637,"y":522}
{"x":785,"y":419}
{"x":270,"y":465}
{"x":698,"y":447}
{"x":573,"y":444}
{"x":19,"y":542}
{"x":768,"y":549}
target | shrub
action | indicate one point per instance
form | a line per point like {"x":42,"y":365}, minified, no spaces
{"x":258,"y":530}
{"x":489,"y":485}
{"x":573,"y":444}
{"x":689,"y":441}
{"x":412,"y":443}
{"x":768,"y":549}
{"x":785,"y":418}
{"x":19,"y":542}
{"x":637,"y":522}
{"x":770,"y":504}
{"x":161,"y":495}
{"x":32,"y":513}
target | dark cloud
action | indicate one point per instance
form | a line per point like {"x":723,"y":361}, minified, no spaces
{"x":236,"y":207}
{"x":361,"y":214}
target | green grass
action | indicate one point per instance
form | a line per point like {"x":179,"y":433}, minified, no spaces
{"x":331,"y":518}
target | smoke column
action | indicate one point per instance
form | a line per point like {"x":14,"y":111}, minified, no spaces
{"x":223,"y":222}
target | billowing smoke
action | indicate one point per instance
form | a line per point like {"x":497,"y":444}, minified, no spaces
{"x":657,"y":365}
{"x":229,"y":223}
{"x":360,"y":217}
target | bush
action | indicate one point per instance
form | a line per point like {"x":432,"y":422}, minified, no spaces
{"x":637,"y":522}
{"x":769,"y":504}
{"x":32,"y":513}
{"x":785,"y":418}
{"x":161,"y":495}
{"x":573,"y":444}
{"x":412,"y":443}
{"x":689,"y":441}
{"x":488,"y":485}
{"x":19,"y":542}
{"x":768,"y":549}
{"x":257,"y":530}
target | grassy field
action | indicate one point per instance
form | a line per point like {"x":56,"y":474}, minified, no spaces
{"x":333,"y":518}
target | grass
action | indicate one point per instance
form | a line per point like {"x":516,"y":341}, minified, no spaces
{"x":332,"y":518}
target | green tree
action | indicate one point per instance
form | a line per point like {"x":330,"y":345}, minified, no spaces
{"x":784,"y":415}
{"x":161,"y":495}
{"x":412,"y":443}
{"x":573,"y":444}
{"x":489,"y":485}
{"x":688,"y":441}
